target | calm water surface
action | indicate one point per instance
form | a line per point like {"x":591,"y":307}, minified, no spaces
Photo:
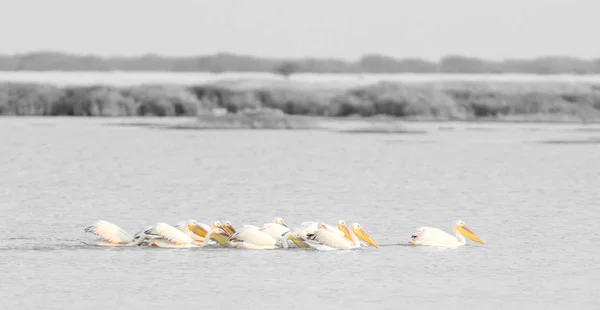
{"x":534,"y":204}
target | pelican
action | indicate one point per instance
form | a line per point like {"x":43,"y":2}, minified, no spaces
{"x":276,"y":228}
{"x":195,"y":230}
{"x":251,"y":237}
{"x":211,"y":233}
{"x":169,"y":237}
{"x":112,"y":235}
{"x":357,"y":230}
{"x":437,"y":237}
{"x":342,"y":238}
{"x":200,"y":229}
{"x":228,"y":227}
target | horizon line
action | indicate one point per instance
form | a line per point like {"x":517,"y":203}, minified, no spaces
{"x":280,"y":58}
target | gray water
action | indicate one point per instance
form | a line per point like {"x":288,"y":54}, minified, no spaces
{"x":533,"y":203}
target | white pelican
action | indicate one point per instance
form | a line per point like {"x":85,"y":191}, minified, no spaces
{"x":170,"y":237}
{"x":357,"y":230}
{"x":112,"y":235}
{"x":228,"y":227}
{"x":276,"y":228}
{"x":251,"y":237}
{"x":341,"y":238}
{"x":437,"y":237}
{"x":195,"y":230}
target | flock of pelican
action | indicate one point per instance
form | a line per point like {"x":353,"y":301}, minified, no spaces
{"x":272,"y":235}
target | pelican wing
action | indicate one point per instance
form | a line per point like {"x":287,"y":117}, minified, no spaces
{"x":244,"y":228}
{"x":169,"y":233}
{"x":109,"y":232}
{"x":432,"y":235}
{"x":275,"y":230}
{"x":253,"y":236}
{"x":333,"y":239}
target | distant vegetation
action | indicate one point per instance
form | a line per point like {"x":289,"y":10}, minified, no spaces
{"x":44,"y":61}
{"x":426,"y":101}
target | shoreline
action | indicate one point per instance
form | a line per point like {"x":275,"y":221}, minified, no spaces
{"x":255,"y":103}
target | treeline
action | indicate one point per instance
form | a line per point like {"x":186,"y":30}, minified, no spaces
{"x":45,"y":61}
{"x":442,"y":101}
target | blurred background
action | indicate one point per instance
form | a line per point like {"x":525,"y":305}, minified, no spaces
{"x":464,"y":60}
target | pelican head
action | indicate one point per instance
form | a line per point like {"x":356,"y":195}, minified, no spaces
{"x":341,"y":225}
{"x":198,"y":229}
{"x":279,"y":221}
{"x":228,"y":227}
{"x":363,"y":235}
{"x":191,"y":224}
{"x":219,"y":227}
{"x":462,"y":229}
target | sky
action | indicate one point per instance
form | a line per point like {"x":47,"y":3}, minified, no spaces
{"x":427,"y":29}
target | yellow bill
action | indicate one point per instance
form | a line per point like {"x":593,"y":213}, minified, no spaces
{"x":220,"y":238}
{"x":463,"y":230}
{"x":198,"y":230}
{"x":343,"y":228}
{"x":298,"y":242}
{"x":229,"y":228}
{"x":364,"y":236}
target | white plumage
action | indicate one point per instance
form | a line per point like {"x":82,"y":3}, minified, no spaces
{"x":436,"y":237}
{"x":428,"y":235}
{"x":332,"y":239}
{"x":170,"y":236}
{"x":274,"y":230}
{"x":185,"y":227}
{"x":254,"y":236}
{"x":342,"y":237}
{"x":110,"y":234}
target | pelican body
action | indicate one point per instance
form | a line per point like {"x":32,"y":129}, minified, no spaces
{"x":168,"y":236}
{"x":276,"y":228}
{"x":436,"y":237}
{"x":252,"y":237}
{"x":112,"y":235}
{"x":342,"y":237}
{"x":197,"y":231}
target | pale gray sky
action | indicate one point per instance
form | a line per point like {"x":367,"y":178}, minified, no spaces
{"x":326,"y":28}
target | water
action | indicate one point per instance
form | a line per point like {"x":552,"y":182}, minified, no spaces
{"x":534,"y":204}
